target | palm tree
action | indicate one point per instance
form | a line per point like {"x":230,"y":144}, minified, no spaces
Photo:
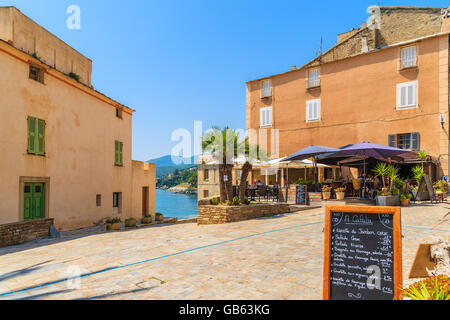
{"x":252,"y":153}
{"x":392,"y":173}
{"x":381,"y":170}
{"x":422,"y":155}
{"x":224,"y":144}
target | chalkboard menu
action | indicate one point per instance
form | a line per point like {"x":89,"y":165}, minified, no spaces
{"x":301,"y":195}
{"x":362,"y":253}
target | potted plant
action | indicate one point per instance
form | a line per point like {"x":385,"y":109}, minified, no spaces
{"x":390,"y":195}
{"x":405,"y":199}
{"x":326,"y":193}
{"x":130,"y":222}
{"x":113,"y":224}
{"x":418,"y":174}
{"x":147,"y":219}
{"x":159,"y":217}
{"x":340,"y":193}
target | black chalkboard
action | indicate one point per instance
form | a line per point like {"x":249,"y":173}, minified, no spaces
{"x":362,"y":255}
{"x":301,"y":195}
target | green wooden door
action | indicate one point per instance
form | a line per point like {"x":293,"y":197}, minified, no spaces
{"x":33,"y":201}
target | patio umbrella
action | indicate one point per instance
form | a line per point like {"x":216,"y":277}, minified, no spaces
{"x":371,"y":150}
{"x":311,"y":152}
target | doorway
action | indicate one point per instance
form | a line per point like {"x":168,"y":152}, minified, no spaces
{"x":33,"y":195}
{"x":145,"y":198}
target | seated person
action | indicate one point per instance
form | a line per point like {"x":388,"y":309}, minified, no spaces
{"x":260,"y":184}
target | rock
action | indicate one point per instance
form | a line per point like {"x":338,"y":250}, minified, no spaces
{"x":440,"y":252}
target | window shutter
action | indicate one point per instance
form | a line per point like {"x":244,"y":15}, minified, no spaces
{"x":262,"y":118}
{"x":392,"y":140}
{"x":31,"y":134}
{"x":116,"y":152}
{"x":415,"y":136}
{"x":121,"y":153}
{"x":269,"y":116}
{"x":40,"y":137}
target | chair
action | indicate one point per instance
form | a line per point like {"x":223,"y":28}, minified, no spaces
{"x":262,"y":192}
{"x":356,"y":187}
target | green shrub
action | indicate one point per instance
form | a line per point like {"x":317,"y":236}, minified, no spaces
{"x":236,"y":201}
{"x":247,"y":202}
{"x":130,"y":220}
{"x":229,"y":203}
{"x":74,"y":76}
{"x":159,"y":214}
{"x":435,"y":288}
{"x":215,"y":201}
{"x":395,"y":192}
{"x":113,"y":220}
{"x":147,"y":215}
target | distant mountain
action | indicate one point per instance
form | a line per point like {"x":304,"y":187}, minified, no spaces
{"x":167,"y":161}
{"x":165,"y":165}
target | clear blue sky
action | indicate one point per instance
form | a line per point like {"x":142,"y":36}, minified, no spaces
{"x":177,"y":61}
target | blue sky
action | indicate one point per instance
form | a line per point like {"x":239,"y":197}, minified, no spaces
{"x":177,"y":61}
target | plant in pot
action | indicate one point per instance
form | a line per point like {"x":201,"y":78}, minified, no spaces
{"x":147,"y":219}
{"x":159,"y":217}
{"x":390,"y":195}
{"x":326,"y":192}
{"x":130,"y":222}
{"x":340,"y":193}
{"x":113,"y":224}
{"x":405,"y":199}
{"x":417,"y":174}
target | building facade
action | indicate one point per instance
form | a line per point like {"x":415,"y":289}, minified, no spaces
{"x":66,"y":147}
{"x":386,"y":83}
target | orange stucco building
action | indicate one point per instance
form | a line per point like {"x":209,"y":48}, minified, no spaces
{"x":386,"y":82}
{"x":66,"y":148}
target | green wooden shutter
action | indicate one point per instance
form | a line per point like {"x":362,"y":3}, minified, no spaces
{"x":28,"y":198}
{"x":41,"y":136}
{"x":121,"y":153}
{"x":118,"y":153}
{"x":31,"y":135}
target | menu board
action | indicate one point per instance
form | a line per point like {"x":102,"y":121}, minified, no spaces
{"x":301,"y":195}
{"x":363,"y":253}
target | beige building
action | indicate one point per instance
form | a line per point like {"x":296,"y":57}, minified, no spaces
{"x":66,"y":147}
{"x":386,"y":83}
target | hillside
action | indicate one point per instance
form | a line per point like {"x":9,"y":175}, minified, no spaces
{"x":178,"y":177}
{"x":166,"y":166}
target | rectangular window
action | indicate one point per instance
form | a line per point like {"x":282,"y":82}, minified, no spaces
{"x":117,"y":199}
{"x":118,"y":153}
{"x":406,"y":141}
{"x":205,"y":193}
{"x":407,"y":95}
{"x":266,"y":117}
{"x":313,"y":79}
{"x":98,"y":200}
{"x":36,"y":136}
{"x":119,"y":112}
{"x":266,"y":90}
{"x":206,"y":174}
{"x":313,"y":110}
{"x":36,"y":73}
{"x":409,"y":57}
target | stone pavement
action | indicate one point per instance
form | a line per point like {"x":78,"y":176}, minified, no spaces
{"x":269,"y":258}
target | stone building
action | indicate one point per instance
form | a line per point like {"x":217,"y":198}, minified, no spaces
{"x":386,"y":82}
{"x":66,"y":147}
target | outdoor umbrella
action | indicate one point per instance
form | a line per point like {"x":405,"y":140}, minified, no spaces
{"x":311,"y":152}
{"x":371,"y":150}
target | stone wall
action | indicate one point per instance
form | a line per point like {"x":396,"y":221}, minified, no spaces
{"x":21,"y":232}
{"x":226,"y":214}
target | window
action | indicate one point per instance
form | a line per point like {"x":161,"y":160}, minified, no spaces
{"x":117,"y":199}
{"x":206,"y":174}
{"x":36,"y":136}
{"x":36,"y":73}
{"x":266,"y":117}
{"x":313,"y":79}
{"x":119,"y":112}
{"x":266,"y":89}
{"x":407,"y":95}
{"x":205,"y":193}
{"x":313,"y":110}
{"x":118,"y":153}
{"x":406,"y":141}
{"x":98,"y":200}
{"x":409,"y":57}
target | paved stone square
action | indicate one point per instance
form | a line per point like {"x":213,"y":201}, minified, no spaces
{"x":269,"y":258}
